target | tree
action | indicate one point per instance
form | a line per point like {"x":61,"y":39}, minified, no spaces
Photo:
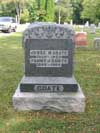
{"x":41,"y":11}
{"x":49,"y":7}
{"x":42,"y":4}
{"x":24,"y":17}
{"x":45,"y":10}
{"x":77,"y":9}
{"x":7,"y":9}
{"x":91,"y":10}
{"x":32,"y":10}
{"x":63,"y":11}
{"x":18,"y":5}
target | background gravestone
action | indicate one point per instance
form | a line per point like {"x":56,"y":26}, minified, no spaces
{"x":86,"y":24}
{"x":99,"y":25}
{"x":49,"y":50}
{"x":92,"y":28}
{"x":81,"y":39}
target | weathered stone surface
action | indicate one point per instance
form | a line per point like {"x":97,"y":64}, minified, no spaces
{"x":58,"y":102}
{"x":48,"y":31}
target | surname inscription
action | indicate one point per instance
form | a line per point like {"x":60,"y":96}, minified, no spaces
{"x":48,"y":88}
{"x":48,"y":58}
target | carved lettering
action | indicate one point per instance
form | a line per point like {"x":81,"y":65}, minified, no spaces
{"x":49,"y":58}
{"x":48,"y":88}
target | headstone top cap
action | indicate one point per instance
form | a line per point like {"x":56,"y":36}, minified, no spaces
{"x":48,"y":24}
{"x":42,"y":30}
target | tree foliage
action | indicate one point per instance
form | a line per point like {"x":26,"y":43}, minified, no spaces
{"x":63,"y":10}
{"x":91,"y":10}
{"x":6,"y":9}
{"x":77,"y":9}
{"x":24,"y":16}
{"x":48,"y":10}
{"x":17,"y":4}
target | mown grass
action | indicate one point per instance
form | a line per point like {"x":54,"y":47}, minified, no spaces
{"x":87,"y":73}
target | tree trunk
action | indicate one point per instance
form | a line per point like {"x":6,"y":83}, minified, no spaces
{"x":59,"y":17}
{"x":18,"y":11}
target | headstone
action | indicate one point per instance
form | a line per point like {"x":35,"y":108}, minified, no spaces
{"x":81,"y":39}
{"x":81,"y":28}
{"x":49,"y":82}
{"x":65,"y":23}
{"x":92,"y":28}
{"x":99,"y":25}
{"x":87,"y":24}
{"x":71,"y":22}
{"x":97,"y":43}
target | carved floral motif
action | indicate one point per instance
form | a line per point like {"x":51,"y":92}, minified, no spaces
{"x":48,"y":31}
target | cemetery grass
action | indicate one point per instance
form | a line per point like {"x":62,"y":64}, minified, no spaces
{"x":87,"y":73}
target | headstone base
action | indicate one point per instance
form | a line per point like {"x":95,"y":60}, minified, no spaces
{"x":54,"y":102}
{"x":48,"y":84}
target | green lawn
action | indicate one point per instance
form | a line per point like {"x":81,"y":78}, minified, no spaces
{"x":87,"y":73}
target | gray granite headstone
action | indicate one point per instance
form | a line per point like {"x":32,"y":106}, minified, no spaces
{"x":49,"y":83}
{"x":49,"y":50}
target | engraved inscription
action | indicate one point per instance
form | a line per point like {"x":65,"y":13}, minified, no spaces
{"x":48,"y":88}
{"x":49,"y":58}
